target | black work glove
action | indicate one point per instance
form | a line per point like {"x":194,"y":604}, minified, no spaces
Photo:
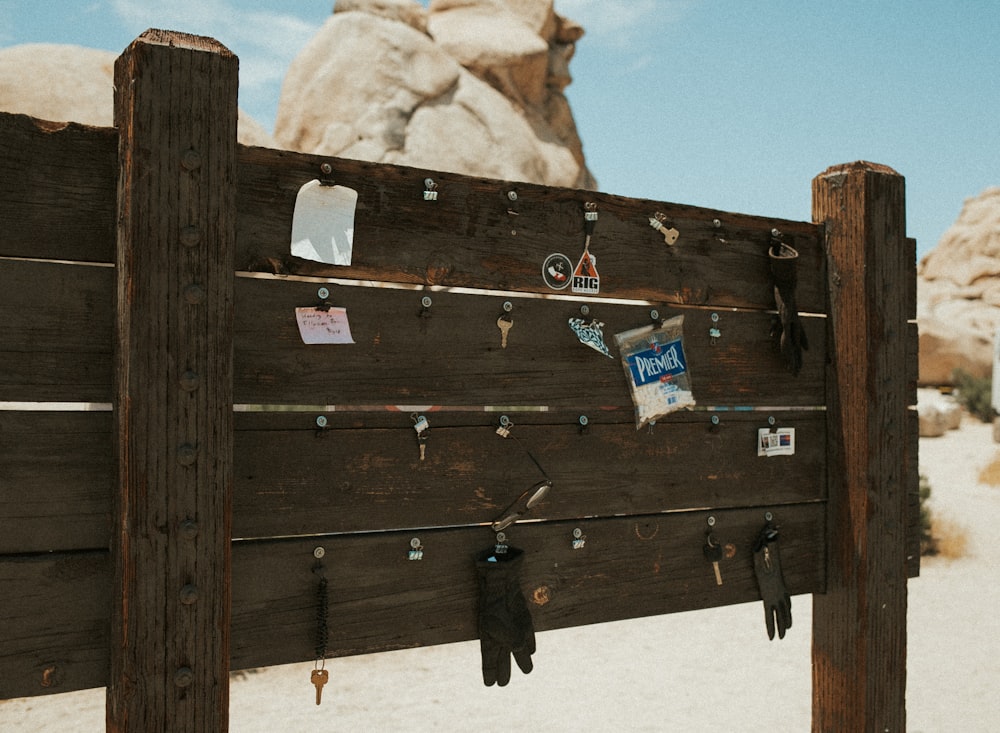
{"x":505,"y":626}
{"x":787,"y":327}
{"x":767,"y":566}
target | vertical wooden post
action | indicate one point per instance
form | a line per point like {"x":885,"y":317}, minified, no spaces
{"x":175,"y":110}
{"x":859,"y":625}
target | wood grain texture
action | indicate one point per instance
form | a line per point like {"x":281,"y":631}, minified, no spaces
{"x":58,"y":332}
{"x":859,"y":625}
{"x":57,"y":189}
{"x":468,"y":237}
{"x":175,"y":109}
{"x":363,"y":472}
{"x":451,"y":354}
{"x":60,"y":340}
{"x":379,"y":600}
{"x":58,"y":480}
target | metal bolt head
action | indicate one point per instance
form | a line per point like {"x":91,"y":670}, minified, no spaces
{"x":319,"y":552}
{"x":321,"y":421}
{"x":183,"y":677}
{"x":768,"y":516}
{"x":584,"y":420}
{"x":715,"y":318}
{"x":585,"y":310}
{"x":326,"y":169}
{"x":654,"y":314}
{"x":507,"y":306}
{"x":716,"y":223}
{"x":715,"y":419}
{"x":426,"y":301}
{"x":415,"y":543}
{"x":771,"y":420}
{"x":323,"y":293}
{"x":577,"y":533}
{"x":512,"y":195}
{"x":711,"y":521}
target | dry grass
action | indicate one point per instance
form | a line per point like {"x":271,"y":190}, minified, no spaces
{"x":950,"y":540}
{"x":990,"y":475}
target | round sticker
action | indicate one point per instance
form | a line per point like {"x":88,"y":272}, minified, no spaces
{"x":557,"y":271}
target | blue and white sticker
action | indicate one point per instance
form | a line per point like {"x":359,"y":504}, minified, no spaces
{"x":660,"y":363}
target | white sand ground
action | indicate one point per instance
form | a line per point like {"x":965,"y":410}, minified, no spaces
{"x":711,"y":671}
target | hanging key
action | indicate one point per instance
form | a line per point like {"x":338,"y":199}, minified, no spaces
{"x":422,"y":442}
{"x":713,"y":553}
{"x":422,"y":427}
{"x":504,"y":323}
{"x":319,"y":678}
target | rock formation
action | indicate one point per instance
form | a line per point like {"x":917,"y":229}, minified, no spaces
{"x":469,"y":86}
{"x":958,"y":294}
{"x":74,"y":84}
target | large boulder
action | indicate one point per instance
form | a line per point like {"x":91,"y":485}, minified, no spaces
{"x":469,"y":86}
{"x":958,"y":294}
{"x":74,"y":84}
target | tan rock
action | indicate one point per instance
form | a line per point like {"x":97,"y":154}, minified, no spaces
{"x":958,"y":294}
{"x":413,"y":102}
{"x":495,"y":44}
{"x":75,"y":84}
{"x":407,"y":11}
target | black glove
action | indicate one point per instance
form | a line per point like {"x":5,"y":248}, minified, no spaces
{"x":767,"y":565}
{"x":787,"y":326}
{"x":505,"y":626}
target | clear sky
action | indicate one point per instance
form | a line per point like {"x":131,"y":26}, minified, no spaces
{"x":729,"y":104}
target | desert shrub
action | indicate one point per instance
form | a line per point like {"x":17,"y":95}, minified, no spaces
{"x":974,"y":394}
{"x":927,"y":544}
{"x":939,"y":537}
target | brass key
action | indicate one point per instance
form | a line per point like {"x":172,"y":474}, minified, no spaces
{"x":319,"y":678}
{"x":504,"y":323}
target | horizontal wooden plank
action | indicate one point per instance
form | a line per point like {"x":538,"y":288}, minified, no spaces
{"x":58,"y":332}
{"x":57,"y":189}
{"x":629,"y":567}
{"x":467,"y":237}
{"x":57,"y":480}
{"x":58,"y":193}
{"x":363,"y":472}
{"x":55,"y":621}
{"x":300,"y":482}
{"x":59,"y":347}
{"x":451,"y":353}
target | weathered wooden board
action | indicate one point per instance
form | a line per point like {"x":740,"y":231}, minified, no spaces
{"x":57,"y":189}
{"x":363,"y":472}
{"x":57,"y":481}
{"x":380,"y":600}
{"x":58,"y":193}
{"x":58,"y":332}
{"x":451,"y":353}
{"x":468,"y":237}
{"x":60,"y":338}
{"x":298,"y":482}
{"x":55,"y":620}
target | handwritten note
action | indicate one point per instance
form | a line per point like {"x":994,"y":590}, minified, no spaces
{"x":324,"y":327}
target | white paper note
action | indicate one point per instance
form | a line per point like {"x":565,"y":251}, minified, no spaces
{"x":323,"y":223}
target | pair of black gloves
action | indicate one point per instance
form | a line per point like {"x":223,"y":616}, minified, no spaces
{"x":506,"y":629}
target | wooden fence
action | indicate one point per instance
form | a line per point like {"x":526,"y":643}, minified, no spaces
{"x":154,"y":547}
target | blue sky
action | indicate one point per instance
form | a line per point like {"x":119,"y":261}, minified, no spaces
{"x":729,"y":104}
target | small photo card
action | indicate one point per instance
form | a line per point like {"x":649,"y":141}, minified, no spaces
{"x":780,"y":442}
{"x":324,"y":326}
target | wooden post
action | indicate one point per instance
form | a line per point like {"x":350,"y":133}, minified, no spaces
{"x":175,"y":110}
{"x":859,"y":625}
